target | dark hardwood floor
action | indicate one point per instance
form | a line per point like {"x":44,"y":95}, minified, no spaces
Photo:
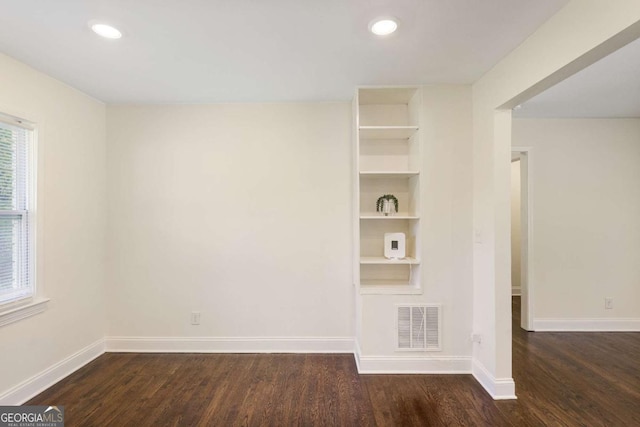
{"x":572,"y":379}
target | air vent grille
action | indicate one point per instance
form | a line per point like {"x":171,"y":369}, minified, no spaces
{"x":419,"y":327}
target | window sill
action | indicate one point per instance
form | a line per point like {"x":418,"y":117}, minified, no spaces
{"x":22,"y":312}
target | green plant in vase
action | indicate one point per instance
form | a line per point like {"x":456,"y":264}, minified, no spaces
{"x":386,"y":204}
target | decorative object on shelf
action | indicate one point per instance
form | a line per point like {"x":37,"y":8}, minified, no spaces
{"x":383,"y":204}
{"x":394,"y":245}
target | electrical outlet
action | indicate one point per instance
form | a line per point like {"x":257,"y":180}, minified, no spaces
{"x":608,"y":303}
{"x":476,"y":338}
{"x":195,"y":317}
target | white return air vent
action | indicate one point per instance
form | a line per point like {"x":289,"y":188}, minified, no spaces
{"x":419,"y":327}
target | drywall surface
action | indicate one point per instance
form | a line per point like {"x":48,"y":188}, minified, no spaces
{"x":71,"y":218}
{"x":586,"y":216}
{"x":515,"y":227}
{"x":240,"y":212}
{"x":579,"y":34}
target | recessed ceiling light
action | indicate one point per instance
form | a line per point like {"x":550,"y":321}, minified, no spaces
{"x":383,"y":26}
{"x":105,"y":30}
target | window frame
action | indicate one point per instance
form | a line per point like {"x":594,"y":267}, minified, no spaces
{"x":34,"y":302}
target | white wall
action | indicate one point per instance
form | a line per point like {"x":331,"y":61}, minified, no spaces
{"x":578,"y":35}
{"x":587,"y":216}
{"x":71,"y":223}
{"x":447,"y":203}
{"x":239,"y":211}
{"x":515,"y":228}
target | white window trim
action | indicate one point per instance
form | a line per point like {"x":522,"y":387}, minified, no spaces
{"x":22,"y":308}
{"x":10,"y":313}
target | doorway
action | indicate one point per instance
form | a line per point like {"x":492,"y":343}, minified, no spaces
{"x":521,"y":284}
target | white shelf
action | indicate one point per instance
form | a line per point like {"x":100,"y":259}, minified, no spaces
{"x":388,"y":287}
{"x":387,"y":132}
{"x":388,"y":161}
{"x":389,"y":174}
{"x":385,"y":261}
{"x":389,"y":217}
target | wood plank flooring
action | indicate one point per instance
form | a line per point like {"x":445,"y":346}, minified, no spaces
{"x":572,"y":379}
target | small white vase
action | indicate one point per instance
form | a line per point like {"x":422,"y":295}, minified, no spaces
{"x":387,"y":207}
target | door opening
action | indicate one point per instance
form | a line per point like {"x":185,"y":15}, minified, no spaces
{"x":521,"y":234}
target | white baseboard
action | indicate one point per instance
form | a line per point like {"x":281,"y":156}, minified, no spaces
{"x":411,"y":364}
{"x":516,"y":291}
{"x":586,"y":325}
{"x":498,"y":388}
{"x":230,"y":344}
{"x":38,"y":383}
{"x":357,"y":353}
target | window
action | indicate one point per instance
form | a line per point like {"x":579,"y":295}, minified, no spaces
{"x":16,"y":212}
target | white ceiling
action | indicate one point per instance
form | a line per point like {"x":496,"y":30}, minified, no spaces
{"x":200,"y":51}
{"x":608,"y":88}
